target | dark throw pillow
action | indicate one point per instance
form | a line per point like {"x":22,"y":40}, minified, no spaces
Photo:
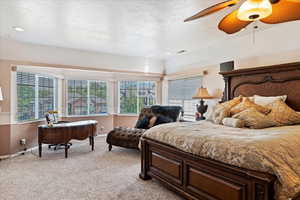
{"x":142,"y":123}
{"x":162,"y":120}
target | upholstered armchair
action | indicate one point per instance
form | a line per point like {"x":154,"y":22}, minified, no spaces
{"x":149,"y":117}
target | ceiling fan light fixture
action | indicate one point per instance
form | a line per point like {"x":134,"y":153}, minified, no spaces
{"x":252,"y":10}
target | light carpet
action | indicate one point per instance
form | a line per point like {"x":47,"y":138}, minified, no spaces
{"x":84,"y":175}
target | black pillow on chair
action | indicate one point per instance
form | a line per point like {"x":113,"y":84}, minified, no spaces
{"x":162,"y":120}
{"x":143,"y":123}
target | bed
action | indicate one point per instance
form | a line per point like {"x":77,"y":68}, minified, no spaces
{"x":197,"y":177}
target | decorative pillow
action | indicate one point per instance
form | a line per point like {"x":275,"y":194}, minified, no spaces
{"x":283,"y":114}
{"x":162,"y":120}
{"x":222,"y":110}
{"x":219,"y":114}
{"x":254,"y":119}
{"x":229,"y":104}
{"x":152,"y":121}
{"x":245,"y":104}
{"x":232,"y":122}
{"x":263,"y":101}
{"x":142,"y":123}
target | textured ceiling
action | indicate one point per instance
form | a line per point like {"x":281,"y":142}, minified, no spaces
{"x":149,"y":28}
{"x":146,"y":28}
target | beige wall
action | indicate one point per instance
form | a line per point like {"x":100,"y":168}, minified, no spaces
{"x":5,"y":70}
{"x":20,"y":131}
{"x":105,"y":123}
{"x":4,"y":140}
{"x":11,"y":133}
{"x":124,"y":121}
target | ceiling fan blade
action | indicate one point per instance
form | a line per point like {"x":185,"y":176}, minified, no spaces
{"x":231,"y":24}
{"x":213,"y":9}
{"x":284,"y":11}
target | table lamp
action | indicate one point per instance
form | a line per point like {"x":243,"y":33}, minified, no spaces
{"x":201,"y":94}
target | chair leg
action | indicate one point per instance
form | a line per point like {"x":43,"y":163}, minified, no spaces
{"x":109,"y":147}
{"x":66,"y":150}
{"x":40,"y":150}
{"x":93,"y":143}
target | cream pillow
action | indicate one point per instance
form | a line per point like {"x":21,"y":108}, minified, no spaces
{"x":232,"y":122}
{"x":283,"y":114}
{"x":245,"y":104}
{"x":263,"y":101}
{"x":254,"y":119}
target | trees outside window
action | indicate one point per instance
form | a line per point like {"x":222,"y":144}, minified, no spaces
{"x":36,"y":95}
{"x":87,"y":97}
{"x":134,"y":95}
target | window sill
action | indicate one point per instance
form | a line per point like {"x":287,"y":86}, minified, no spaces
{"x":127,"y":115}
{"x":29,"y":122}
{"x":78,"y":116}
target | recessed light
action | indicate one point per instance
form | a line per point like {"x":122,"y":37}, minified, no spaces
{"x":19,"y":29}
{"x":181,"y":51}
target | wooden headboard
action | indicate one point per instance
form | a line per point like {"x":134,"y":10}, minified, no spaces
{"x":265,"y":81}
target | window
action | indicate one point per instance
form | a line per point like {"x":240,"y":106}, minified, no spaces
{"x":46,"y":89}
{"x":87,"y":97}
{"x":181,"y":91}
{"x":134,"y":95}
{"x":36,"y":95}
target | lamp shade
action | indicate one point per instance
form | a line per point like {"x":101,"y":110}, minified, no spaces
{"x":202,"y":93}
{"x":1,"y":96}
{"x":252,"y":10}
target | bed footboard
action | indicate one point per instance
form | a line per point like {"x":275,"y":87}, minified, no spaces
{"x":194,"y":177}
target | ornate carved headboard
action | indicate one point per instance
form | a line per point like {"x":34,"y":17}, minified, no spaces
{"x":265,"y":81}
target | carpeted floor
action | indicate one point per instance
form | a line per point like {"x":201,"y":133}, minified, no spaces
{"x":84,"y":175}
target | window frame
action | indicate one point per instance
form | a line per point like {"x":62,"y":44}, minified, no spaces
{"x":88,"y":98}
{"x":119,"y":96}
{"x":36,"y":98}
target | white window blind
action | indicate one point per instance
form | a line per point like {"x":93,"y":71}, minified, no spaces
{"x":184,"y":89}
{"x":181,"y":92}
{"x":36,"y":95}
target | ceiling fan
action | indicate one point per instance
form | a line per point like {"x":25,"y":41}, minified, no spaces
{"x":267,"y":11}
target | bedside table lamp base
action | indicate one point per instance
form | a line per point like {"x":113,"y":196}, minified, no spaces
{"x":201,"y":109}
{"x":202,"y":93}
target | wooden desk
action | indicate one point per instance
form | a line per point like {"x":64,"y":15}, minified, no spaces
{"x":64,"y":132}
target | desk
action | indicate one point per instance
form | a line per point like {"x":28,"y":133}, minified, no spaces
{"x":64,"y":132}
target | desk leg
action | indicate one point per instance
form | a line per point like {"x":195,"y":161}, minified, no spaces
{"x":92,"y":142}
{"x":66,"y":150}
{"x":40,"y":150}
